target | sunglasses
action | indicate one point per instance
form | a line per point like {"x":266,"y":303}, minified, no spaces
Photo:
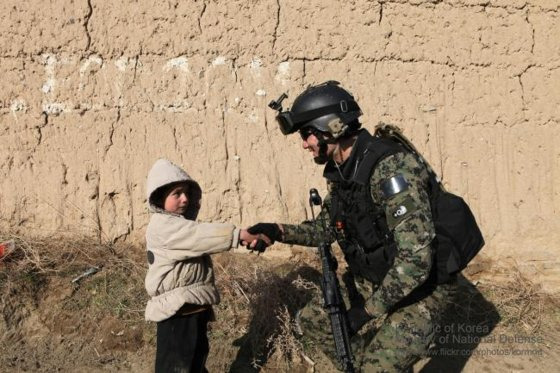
{"x":306,"y":132}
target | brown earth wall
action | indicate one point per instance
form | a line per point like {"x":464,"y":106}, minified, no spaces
{"x":93,"y":92}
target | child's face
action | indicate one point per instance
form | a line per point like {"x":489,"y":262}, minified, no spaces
{"x":177,"y":200}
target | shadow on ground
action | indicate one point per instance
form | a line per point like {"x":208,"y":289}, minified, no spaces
{"x":466,"y":325}
{"x":288,"y":288}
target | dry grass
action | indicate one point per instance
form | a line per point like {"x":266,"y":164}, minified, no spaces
{"x":525,"y":310}
{"x":36,"y":262}
{"x":516,"y":306}
{"x":96,"y":318}
{"x":255,"y":327}
{"x":259,"y":301}
{"x":286,"y":346}
{"x":521,"y":303}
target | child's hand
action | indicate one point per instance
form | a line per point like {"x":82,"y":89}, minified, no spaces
{"x":258,"y":242}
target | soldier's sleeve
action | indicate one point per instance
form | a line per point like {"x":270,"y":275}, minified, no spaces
{"x":398,"y":184}
{"x":310,"y":232}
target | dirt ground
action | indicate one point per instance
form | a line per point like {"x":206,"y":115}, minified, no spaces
{"x":53,"y":321}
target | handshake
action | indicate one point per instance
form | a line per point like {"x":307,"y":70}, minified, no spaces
{"x":260,"y":236}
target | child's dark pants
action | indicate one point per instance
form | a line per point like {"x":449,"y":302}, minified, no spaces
{"x":182,"y":343}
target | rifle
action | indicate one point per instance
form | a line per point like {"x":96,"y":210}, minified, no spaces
{"x":332,"y":297}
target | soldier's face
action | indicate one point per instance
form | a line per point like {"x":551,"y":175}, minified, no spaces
{"x":311,"y":144}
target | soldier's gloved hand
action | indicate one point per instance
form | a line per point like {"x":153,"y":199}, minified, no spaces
{"x":259,"y":246}
{"x":357,"y":317}
{"x":255,"y":242}
{"x":271,"y":230}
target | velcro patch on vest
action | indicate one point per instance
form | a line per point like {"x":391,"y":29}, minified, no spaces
{"x":394,"y":186}
{"x":400,"y":211}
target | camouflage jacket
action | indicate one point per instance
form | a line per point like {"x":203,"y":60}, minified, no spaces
{"x":413,"y":232}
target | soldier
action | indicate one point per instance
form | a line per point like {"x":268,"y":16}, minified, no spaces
{"x":378,"y":210}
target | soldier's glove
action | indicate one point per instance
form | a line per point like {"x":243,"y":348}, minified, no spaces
{"x":357,"y":317}
{"x":260,"y":246}
{"x":271,"y":230}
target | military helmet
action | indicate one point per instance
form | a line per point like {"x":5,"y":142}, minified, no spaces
{"x":327,"y":107}
{"x":329,"y":94}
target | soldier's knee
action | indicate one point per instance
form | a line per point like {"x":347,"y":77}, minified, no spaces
{"x":310,"y":319}
{"x":387,"y":360}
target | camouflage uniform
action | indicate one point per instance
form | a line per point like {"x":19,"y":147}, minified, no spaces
{"x":405,"y":306}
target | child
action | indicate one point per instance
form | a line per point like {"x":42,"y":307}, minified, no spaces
{"x":180,"y":278}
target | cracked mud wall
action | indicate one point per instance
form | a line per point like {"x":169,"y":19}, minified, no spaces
{"x":93,"y":92}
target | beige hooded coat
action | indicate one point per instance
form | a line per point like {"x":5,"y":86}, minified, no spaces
{"x":178,"y":248}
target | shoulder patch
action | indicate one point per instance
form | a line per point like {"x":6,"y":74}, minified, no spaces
{"x":399,"y":212}
{"x":394,"y":185}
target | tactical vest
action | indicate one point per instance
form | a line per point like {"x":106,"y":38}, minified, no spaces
{"x":360,"y":224}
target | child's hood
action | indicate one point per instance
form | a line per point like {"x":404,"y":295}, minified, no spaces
{"x":163,"y":173}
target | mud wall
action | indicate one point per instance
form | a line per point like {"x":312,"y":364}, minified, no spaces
{"x":93,"y":92}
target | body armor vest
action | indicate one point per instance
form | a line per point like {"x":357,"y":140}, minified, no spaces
{"x":360,"y":224}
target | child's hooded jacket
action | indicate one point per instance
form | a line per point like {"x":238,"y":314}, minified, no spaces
{"x":178,"y":248}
